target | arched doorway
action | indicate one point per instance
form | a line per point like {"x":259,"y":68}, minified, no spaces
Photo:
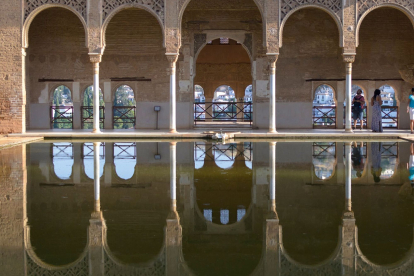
{"x":124,"y":108}
{"x":324,"y":107}
{"x":224,"y":70}
{"x":87,"y":109}
{"x":61,"y":110}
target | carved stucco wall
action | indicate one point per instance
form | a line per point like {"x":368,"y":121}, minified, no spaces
{"x":157,"y":6}
{"x":79,"y":5}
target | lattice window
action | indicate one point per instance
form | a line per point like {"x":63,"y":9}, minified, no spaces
{"x":288,"y":5}
{"x":156,"y":5}
{"x":365,"y":5}
{"x":79,"y":5}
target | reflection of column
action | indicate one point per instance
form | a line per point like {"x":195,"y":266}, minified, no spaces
{"x":272,"y":231}
{"x":348,"y":59}
{"x":173,"y":232}
{"x":272,"y":96}
{"x":109,"y":166}
{"x":96,"y":179}
{"x":77,"y":162}
{"x":172,"y":58}
{"x":348,"y":221}
{"x":95,"y":59}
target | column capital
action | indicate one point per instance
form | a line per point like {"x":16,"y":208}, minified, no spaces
{"x":95,"y":58}
{"x":272,"y":57}
{"x":349,"y":57}
{"x":172,"y":57}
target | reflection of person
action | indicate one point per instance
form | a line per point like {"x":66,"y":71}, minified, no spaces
{"x":410,"y":165}
{"x":358,"y":110}
{"x":410,"y":110}
{"x":376,"y":103}
{"x":376,"y":161}
{"x":357,"y":161}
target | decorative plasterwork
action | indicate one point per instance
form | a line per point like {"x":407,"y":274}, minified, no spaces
{"x":199,"y":41}
{"x":366,"y":5}
{"x":288,"y":5}
{"x":79,"y":5}
{"x":155,"y":5}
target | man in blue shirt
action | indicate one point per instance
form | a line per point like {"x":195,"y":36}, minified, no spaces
{"x":410,"y":110}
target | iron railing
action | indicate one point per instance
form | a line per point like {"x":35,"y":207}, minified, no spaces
{"x":61,"y":117}
{"x":324,"y":117}
{"x":223,"y":111}
{"x":87,"y":117}
{"x":125,"y":150}
{"x":389,"y":116}
{"x":124,"y":117}
{"x":88,"y":151}
{"x":364,"y":118}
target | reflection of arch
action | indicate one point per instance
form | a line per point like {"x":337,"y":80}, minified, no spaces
{"x":129,"y":6}
{"x":221,"y":228}
{"x":384,"y":5}
{"x":81,"y":261}
{"x":125,"y":160}
{"x":63,"y":160}
{"x":88,"y":160}
{"x":330,"y":12}
{"x":33,"y":14}
{"x":320,"y":153}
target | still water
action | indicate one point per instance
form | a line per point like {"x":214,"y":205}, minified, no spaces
{"x":200,"y":208}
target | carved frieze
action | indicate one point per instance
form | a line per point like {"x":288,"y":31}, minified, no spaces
{"x":155,"y":5}
{"x":288,"y":5}
{"x":366,"y":5}
{"x":199,"y":41}
{"x":79,"y":5}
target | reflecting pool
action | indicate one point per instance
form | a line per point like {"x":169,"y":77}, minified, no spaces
{"x":203,"y":208}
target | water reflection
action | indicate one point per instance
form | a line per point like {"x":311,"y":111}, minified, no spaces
{"x":271,"y":218}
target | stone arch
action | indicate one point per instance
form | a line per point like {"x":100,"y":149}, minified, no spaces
{"x":184,"y":5}
{"x":108,"y":19}
{"x":328,"y":11}
{"x":33,"y":14}
{"x":362,"y":16}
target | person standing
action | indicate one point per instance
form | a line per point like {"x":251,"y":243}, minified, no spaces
{"x":376,"y":103}
{"x":410,"y":110}
{"x":358,"y":109}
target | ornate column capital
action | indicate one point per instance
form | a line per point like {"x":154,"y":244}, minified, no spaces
{"x":95,"y":58}
{"x":172,"y":58}
{"x":349,"y":57}
{"x":272,"y":57}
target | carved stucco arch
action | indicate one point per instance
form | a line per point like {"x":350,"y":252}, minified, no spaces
{"x":336,"y":19}
{"x":130,"y":6}
{"x":34,"y":13}
{"x":361,"y":18}
{"x":184,"y":3}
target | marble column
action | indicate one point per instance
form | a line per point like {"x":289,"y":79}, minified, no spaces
{"x":95,"y":59}
{"x":272,"y":93}
{"x":172,"y":58}
{"x":348,"y":59}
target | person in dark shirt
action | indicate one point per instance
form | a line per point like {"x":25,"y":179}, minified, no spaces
{"x":358,"y":108}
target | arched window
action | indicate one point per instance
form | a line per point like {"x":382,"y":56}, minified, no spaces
{"x":62,"y":108}
{"x":224,"y":216}
{"x":324,"y":159}
{"x":88,"y":159}
{"x":125,"y":159}
{"x":63,"y":160}
{"x":324,"y":107}
{"x":389,"y":107}
{"x":199,"y":96}
{"x":224,"y":93}
{"x":248,"y":93}
{"x":124,"y":108}
{"x":87,"y":108}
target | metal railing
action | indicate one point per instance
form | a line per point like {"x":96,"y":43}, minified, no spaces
{"x":389,"y":116}
{"x":223,"y":111}
{"x":87,"y":117}
{"x":228,"y":152}
{"x":61,"y":117}
{"x":324,"y":117}
{"x":124,"y":117}
{"x":364,"y":118}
